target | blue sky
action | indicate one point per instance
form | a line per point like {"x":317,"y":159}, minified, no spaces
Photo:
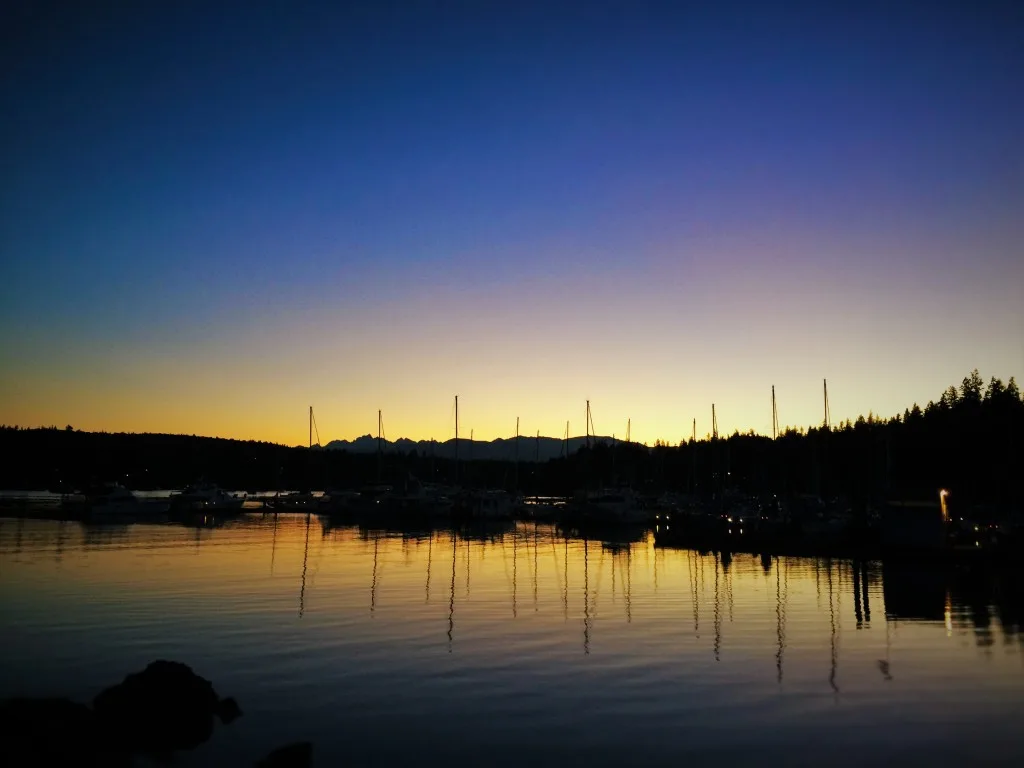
{"x":645,"y":204}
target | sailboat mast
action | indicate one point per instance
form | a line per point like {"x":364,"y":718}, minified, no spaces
{"x":629,"y":425}
{"x":311,"y":426}
{"x":588,"y":423}
{"x":517,"y":454}
{"x":380,"y":432}
{"x":828,"y":419}
{"x":775,"y":416}
{"x":693,"y":458}
{"x":456,"y":439}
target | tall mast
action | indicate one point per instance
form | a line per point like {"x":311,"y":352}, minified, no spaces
{"x":828,"y":417}
{"x":613,"y":457}
{"x":517,"y":454}
{"x":380,"y":433}
{"x":538,"y":447}
{"x":693,"y":458}
{"x":588,"y":423}
{"x":775,"y":416}
{"x":714,"y":423}
{"x":629,"y":424}
{"x":311,"y":426}
{"x":456,"y":439}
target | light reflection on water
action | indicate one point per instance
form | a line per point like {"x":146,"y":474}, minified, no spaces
{"x":520,"y":642}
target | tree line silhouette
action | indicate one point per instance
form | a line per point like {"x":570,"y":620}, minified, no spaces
{"x":969,"y":440}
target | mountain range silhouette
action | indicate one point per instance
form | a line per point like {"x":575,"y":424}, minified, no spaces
{"x":501,"y":449}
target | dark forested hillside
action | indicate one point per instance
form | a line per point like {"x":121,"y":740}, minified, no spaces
{"x":971,"y":440}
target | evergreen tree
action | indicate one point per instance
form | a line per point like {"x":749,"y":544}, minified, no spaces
{"x":995,"y":390}
{"x":1011,"y":390}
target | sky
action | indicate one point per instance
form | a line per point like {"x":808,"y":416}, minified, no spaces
{"x":213,"y":217}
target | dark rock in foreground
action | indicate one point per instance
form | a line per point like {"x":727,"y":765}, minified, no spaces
{"x":296,"y":755}
{"x":165,"y":707}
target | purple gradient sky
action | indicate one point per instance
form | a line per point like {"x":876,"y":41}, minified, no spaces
{"x":212,"y":220}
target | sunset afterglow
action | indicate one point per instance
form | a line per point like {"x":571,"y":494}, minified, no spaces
{"x":363,"y":209}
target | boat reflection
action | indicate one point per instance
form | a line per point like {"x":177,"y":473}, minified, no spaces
{"x":520,"y":564}
{"x":967,"y":598}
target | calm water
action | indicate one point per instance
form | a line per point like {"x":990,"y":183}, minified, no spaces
{"x":517,"y":644}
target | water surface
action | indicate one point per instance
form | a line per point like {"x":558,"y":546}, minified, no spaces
{"x":519,"y":643}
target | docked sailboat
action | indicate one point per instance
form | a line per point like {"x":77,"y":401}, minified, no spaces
{"x":607,"y":505}
{"x":300,"y":501}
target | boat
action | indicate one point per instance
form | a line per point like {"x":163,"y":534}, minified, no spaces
{"x":297,"y":501}
{"x":487,"y":505}
{"x":205,"y":497}
{"x":612,"y":506}
{"x":300,"y":501}
{"x":414,"y":500}
{"x":337,"y":501}
{"x":112,"y":501}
